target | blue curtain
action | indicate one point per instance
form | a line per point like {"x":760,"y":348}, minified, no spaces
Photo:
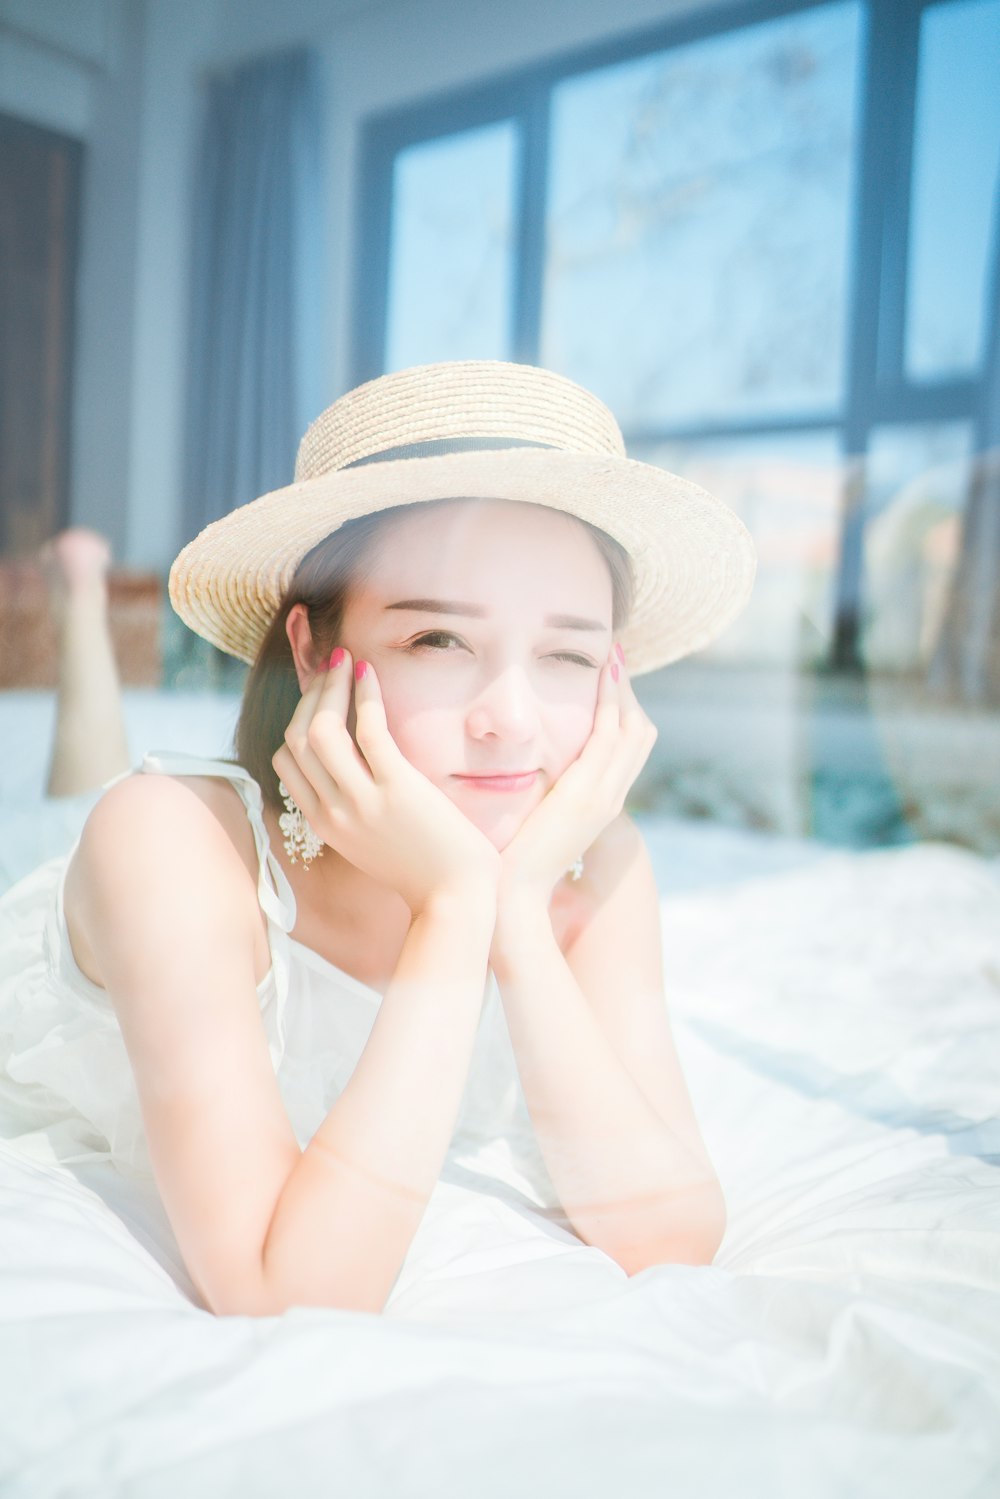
{"x":253,"y":376}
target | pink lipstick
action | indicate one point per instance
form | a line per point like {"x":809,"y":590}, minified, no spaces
{"x":500,"y":783}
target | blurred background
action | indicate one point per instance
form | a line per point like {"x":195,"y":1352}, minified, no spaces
{"x":765,"y":234}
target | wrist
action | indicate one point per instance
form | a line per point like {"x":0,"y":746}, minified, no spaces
{"x":473,"y":901}
{"x":523,"y":924}
{"x":520,"y":896}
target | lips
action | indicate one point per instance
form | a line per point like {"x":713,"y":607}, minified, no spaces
{"x":493,"y":775}
{"x":511,"y":780}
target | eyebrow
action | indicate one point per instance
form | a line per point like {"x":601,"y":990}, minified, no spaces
{"x":445,"y":606}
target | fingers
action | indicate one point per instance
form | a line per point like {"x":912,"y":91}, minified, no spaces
{"x":338,"y":767}
{"x":327,"y":736}
{"x":623,"y":735}
{"x":608,"y":713}
{"x":301,"y":790}
{"x":638,"y":729}
{"x":318,"y":751}
{"x":371,"y":729}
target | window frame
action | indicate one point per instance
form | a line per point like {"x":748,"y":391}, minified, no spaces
{"x":877,"y":390}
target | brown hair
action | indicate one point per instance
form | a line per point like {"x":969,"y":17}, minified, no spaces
{"x":323,"y":582}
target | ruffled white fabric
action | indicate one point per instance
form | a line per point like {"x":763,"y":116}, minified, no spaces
{"x":67,"y":1093}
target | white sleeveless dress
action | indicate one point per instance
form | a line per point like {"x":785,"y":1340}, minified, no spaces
{"x":68,"y":1099}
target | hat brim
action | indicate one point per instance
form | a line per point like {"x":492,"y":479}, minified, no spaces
{"x":694,"y":559}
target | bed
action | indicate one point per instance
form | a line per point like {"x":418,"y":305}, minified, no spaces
{"x":837,"y":1014}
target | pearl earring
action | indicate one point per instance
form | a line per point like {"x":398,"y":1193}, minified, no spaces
{"x":300,"y":840}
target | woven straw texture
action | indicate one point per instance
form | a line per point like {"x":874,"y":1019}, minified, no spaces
{"x":693,"y":558}
{"x":460,"y":399}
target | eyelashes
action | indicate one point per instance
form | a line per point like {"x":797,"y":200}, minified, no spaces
{"x":424,"y":641}
{"x":432,"y":635}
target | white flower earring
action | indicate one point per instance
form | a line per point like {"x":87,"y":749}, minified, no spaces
{"x":575,"y":870}
{"x":300,"y":840}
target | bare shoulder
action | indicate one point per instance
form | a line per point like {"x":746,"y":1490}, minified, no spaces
{"x":144,"y":817}
{"x":153,"y":845}
{"x":146,"y":814}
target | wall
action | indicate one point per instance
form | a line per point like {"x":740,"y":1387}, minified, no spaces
{"x":392,"y":52}
{"x":126,"y":77}
{"x":76,"y":69}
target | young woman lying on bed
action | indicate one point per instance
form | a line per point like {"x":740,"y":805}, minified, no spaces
{"x":437,"y":737}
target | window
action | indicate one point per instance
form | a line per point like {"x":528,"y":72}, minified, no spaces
{"x":769,"y":248}
{"x":698,"y":226}
{"x":956,"y":169}
{"x":451,"y":248}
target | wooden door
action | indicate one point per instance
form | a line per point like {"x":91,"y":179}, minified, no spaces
{"x":39,"y":231}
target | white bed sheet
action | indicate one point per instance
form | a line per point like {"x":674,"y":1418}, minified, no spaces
{"x":838,"y":1020}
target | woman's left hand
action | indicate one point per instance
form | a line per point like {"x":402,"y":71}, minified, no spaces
{"x":588,"y":795}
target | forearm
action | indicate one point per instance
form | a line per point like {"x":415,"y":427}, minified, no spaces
{"x":351,"y":1206}
{"x":627,"y":1183}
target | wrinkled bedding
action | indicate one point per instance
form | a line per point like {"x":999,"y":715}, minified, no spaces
{"x":838,"y":1019}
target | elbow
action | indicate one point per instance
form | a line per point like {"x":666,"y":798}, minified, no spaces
{"x":685,"y":1243}
{"x":713,"y":1231}
{"x":243,"y":1290}
{"x":264,"y":1297}
{"x":273,"y":1303}
{"x":232,"y":1297}
{"x":237,"y":1306}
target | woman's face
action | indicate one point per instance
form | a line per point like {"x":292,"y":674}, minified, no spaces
{"x":466,"y":618}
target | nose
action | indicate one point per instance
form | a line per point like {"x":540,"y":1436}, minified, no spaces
{"x":506,"y":709}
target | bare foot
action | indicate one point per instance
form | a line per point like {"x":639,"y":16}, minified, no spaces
{"x":75,"y":563}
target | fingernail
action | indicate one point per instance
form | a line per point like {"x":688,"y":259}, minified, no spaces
{"x":614,"y":670}
{"x":621,"y":653}
{"x":337,"y":657}
{"x":359,"y":670}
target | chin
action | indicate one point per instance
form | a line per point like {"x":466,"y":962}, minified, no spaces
{"x":500,"y":827}
{"x":499,"y":839}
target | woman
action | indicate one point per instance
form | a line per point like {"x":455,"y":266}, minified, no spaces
{"x":437,"y":725}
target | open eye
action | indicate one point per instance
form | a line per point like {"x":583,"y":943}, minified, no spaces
{"x":431,"y":639}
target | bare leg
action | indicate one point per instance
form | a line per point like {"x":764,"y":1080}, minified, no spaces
{"x":90,"y":744}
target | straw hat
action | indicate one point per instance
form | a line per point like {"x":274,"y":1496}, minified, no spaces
{"x":475,"y":428}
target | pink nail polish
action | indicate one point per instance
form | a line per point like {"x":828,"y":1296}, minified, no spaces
{"x":614,"y":670}
{"x":359,"y":670}
{"x":337,"y":657}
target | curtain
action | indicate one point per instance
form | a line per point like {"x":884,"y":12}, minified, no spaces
{"x":254,"y":361}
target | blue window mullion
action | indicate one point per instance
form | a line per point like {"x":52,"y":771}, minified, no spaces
{"x":529,"y":253}
{"x":900,"y":25}
{"x":877,"y":245}
{"x":372,"y":250}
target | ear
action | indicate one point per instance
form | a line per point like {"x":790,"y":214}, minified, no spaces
{"x":306,"y":657}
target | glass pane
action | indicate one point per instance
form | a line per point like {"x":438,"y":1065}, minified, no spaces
{"x":450,"y":266}
{"x":955,"y":170}
{"x":916,"y":481}
{"x":698,"y":223}
{"x":787,"y":491}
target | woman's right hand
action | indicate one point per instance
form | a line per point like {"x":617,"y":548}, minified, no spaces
{"x":374,"y":807}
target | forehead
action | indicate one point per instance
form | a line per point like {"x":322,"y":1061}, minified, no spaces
{"x":490,"y":546}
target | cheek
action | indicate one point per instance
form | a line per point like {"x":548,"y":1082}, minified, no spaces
{"x":427,"y":735}
{"x":570,"y":728}
{"x":420,"y":733}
